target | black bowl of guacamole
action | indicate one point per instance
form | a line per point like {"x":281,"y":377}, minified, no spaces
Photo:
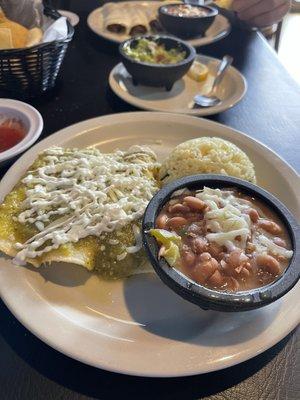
{"x":154,"y":60}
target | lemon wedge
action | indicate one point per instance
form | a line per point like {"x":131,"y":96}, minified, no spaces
{"x":172,"y":254}
{"x":224,"y":4}
{"x":198,"y":71}
{"x":165,"y":237}
{"x":171,"y":241}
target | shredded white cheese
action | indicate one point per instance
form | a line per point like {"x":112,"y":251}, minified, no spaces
{"x":86,"y":193}
{"x":274,"y":248}
{"x":138,"y":241}
{"x":229,"y":224}
{"x":229,"y":227}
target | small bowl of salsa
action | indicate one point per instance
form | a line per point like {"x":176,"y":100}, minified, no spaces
{"x":222,"y":243}
{"x":20,"y":127}
{"x":186,"y":20}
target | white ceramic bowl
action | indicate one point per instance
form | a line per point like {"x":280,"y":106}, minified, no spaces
{"x":31,"y":119}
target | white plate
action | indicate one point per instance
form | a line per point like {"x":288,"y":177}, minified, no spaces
{"x":72,"y":17}
{"x":218,"y":30}
{"x":180,"y":99}
{"x":140,"y":326}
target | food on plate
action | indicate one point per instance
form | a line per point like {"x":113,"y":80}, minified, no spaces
{"x":152,"y":16}
{"x":139,"y":21}
{"x":81,"y":206}
{"x":207,"y":155}
{"x":198,"y":71}
{"x":150,"y":51}
{"x":14,"y":35}
{"x":186,"y":10}
{"x":223,"y":239}
{"x":130,"y":19}
{"x":115,"y":19}
{"x":12,"y":131}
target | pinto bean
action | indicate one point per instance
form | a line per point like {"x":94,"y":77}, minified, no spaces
{"x":280,"y":242}
{"x":176,"y":222}
{"x":253,"y":214}
{"x":204,"y":257}
{"x":248,"y":266}
{"x":199,"y":245}
{"x":178,"y":208}
{"x":216,"y":279}
{"x":245,"y":273}
{"x":188,"y":258}
{"x":233,"y":284}
{"x":161,"y":221}
{"x":236,"y":259}
{"x":194,"y":203}
{"x":195,"y":229}
{"x":215,"y":250}
{"x":270,"y":226}
{"x":226,"y":268}
{"x":280,"y":257}
{"x":204,"y":270}
{"x":268,"y":263}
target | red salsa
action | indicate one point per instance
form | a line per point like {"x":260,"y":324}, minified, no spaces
{"x":226,"y":240}
{"x":12,"y":132}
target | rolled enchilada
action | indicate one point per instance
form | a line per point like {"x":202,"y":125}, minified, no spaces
{"x":82,"y":207}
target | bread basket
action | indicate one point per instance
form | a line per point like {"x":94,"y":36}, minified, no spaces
{"x":31,"y":71}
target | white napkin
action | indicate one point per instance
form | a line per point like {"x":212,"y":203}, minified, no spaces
{"x":56,"y":31}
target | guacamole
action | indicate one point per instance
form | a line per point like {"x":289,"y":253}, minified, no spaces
{"x":150,"y":51}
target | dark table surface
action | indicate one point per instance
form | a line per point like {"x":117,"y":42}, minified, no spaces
{"x":29,"y":369}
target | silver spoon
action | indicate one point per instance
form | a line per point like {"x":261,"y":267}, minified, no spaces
{"x":195,"y":2}
{"x":211,"y":99}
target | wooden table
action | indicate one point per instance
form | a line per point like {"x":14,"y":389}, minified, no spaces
{"x":29,"y":369}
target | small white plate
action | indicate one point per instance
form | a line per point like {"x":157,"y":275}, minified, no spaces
{"x":72,"y":17}
{"x":218,"y":30}
{"x":139,"y":326}
{"x":180,"y":99}
{"x":30,"y":118}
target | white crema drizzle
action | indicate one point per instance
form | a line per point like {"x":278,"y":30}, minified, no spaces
{"x":83,"y":193}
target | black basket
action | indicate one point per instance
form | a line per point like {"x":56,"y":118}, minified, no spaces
{"x":31,"y":71}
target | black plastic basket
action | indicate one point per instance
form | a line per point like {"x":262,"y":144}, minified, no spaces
{"x":31,"y":71}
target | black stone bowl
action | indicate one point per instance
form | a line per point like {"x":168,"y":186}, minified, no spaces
{"x":201,"y":295}
{"x":186,"y":27}
{"x":157,"y":75}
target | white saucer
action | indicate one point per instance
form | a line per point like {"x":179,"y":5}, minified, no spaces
{"x":72,"y":17}
{"x":179,"y":99}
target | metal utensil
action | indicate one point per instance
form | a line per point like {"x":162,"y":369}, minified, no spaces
{"x":195,"y":2}
{"x":211,"y":99}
